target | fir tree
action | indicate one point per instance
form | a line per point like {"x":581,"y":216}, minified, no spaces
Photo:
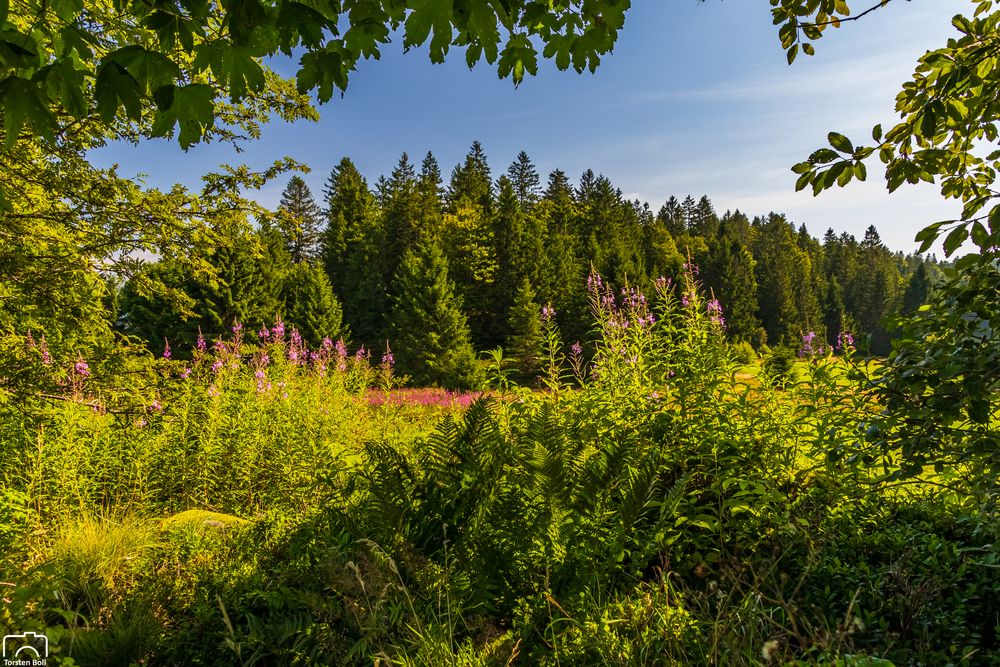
{"x":429,"y":331}
{"x":525,"y":179}
{"x":349,"y":208}
{"x":430,"y":196}
{"x":917,"y":289}
{"x":300,"y":221}
{"x":524,"y":344}
{"x":310,"y":304}
{"x":400,"y":214}
{"x":738,"y":293}
{"x":833,"y":312}
{"x":471,"y":181}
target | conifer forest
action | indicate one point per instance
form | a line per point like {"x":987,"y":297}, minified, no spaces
{"x":475,"y":415}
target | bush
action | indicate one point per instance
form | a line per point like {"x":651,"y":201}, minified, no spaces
{"x":743,"y":353}
{"x":779,"y":367}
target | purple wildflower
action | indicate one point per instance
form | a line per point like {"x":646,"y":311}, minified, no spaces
{"x":548,"y":312}
{"x":217,"y":366}
{"x":155,"y":406}
{"x":166,"y":349}
{"x":43,"y":349}
{"x":186,"y":373}
{"x":715,"y":313}
{"x":200,"y":343}
{"x":81,"y":368}
{"x":278,"y":330}
{"x":264,"y":333}
{"x":807,"y":348}
{"x":237,"y":327}
{"x":577,"y":348}
{"x":845,"y":342}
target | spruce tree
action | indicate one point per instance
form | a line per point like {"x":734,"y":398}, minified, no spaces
{"x":310,"y":304}
{"x":525,"y":179}
{"x":471,"y":181}
{"x":917,"y":289}
{"x":738,"y":294}
{"x":524,"y":345}
{"x":300,"y":221}
{"x":400,"y":215}
{"x":430,"y":197}
{"x":428,"y":330}
{"x":833,"y":312}
{"x":349,"y":208}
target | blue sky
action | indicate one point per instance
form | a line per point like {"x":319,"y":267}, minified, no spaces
{"x":697,"y":98}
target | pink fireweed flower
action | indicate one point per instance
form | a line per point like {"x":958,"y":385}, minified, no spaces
{"x":360,"y":354}
{"x":264,"y":333}
{"x":237,"y":327}
{"x":217,"y":366}
{"x":81,"y":368}
{"x":576,"y":348}
{"x":155,"y":406}
{"x":388,"y":358}
{"x":186,"y":373}
{"x":341,"y":350}
{"x":166,"y":349}
{"x":278,"y":330}
{"x":42,"y":347}
{"x":213,"y":391}
{"x":691,"y":268}
{"x":845,"y":341}
{"x":259,"y":375}
{"x":714,"y":309}
{"x":327,"y":343}
{"x":200,"y":343}
{"x":548,"y":312}
{"x":807,"y":349}
{"x":663,"y":282}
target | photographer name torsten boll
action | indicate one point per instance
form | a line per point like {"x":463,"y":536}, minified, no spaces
{"x":25,"y":650}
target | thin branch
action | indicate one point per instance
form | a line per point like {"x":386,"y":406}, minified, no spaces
{"x":837,"y":21}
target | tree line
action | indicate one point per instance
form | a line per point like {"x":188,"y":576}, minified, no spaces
{"x":441,"y":270}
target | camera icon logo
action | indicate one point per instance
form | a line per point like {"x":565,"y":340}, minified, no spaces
{"x":25,"y":648}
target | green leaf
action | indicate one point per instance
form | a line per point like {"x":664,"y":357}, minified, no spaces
{"x":150,"y":69}
{"x":954,"y":239}
{"x":115,"y":88}
{"x":802,"y":168}
{"x":791,"y":53}
{"x":980,"y":236}
{"x":840,"y":142}
{"x":23,"y":104}
{"x":192,"y":107}
{"x":18,"y":50}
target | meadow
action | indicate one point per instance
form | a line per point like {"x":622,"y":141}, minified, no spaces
{"x":656,"y":502}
